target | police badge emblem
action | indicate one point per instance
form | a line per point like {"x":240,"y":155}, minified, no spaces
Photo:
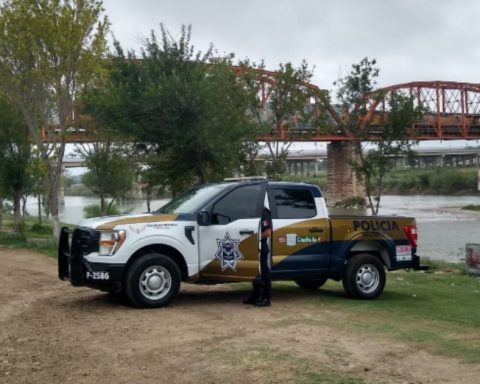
{"x":228,"y":253}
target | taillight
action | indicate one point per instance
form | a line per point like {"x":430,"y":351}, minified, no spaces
{"x":411,"y":233}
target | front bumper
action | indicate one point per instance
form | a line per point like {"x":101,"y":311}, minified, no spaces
{"x":74,"y":267}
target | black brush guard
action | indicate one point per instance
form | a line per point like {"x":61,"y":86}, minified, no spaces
{"x":71,"y":265}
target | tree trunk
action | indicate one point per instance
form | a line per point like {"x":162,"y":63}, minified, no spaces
{"x":45,"y":205}
{"x":53,"y":205}
{"x":17,"y":213}
{"x":1,"y":214}
{"x":149,"y":197}
{"x":55,"y":218}
{"x":371,"y":204}
{"x":39,"y":200}
{"x":103,"y":210}
{"x":24,"y":206}
{"x":202,"y":172}
{"x":110,"y":206}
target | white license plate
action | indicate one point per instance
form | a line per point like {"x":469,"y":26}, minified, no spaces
{"x":404,"y":252}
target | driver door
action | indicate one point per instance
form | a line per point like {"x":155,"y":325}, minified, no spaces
{"x":228,"y":246}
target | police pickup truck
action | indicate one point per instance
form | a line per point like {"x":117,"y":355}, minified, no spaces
{"x":211,"y":235}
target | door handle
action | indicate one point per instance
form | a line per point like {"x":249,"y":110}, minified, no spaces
{"x":246,"y":232}
{"x":315,"y":230}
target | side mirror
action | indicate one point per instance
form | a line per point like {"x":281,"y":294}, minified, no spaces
{"x":203,"y":218}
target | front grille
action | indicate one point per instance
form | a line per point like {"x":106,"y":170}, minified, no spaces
{"x":85,"y":241}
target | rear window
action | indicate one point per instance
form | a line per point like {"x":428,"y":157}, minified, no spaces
{"x":293,"y":203}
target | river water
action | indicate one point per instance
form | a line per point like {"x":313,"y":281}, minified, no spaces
{"x":443,"y":227}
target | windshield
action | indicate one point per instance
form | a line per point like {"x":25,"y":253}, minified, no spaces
{"x":194,"y":200}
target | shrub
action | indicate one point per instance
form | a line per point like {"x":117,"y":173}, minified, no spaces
{"x":471,"y":207}
{"x":440,"y":181}
{"x":424,"y":181}
{"x":95,"y":211}
{"x":41,"y":229}
{"x":451,"y":181}
{"x":352,"y":202}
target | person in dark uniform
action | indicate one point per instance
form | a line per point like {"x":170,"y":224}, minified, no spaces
{"x":262,"y":285}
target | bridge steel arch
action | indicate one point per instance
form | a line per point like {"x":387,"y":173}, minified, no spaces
{"x":452,"y":110}
{"x":282,"y":131}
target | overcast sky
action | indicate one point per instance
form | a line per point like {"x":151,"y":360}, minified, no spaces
{"x":411,"y":39}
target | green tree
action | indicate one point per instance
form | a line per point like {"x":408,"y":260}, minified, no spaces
{"x":251,"y":165}
{"x":49,"y":49}
{"x":149,"y":181}
{"x":109,"y":170}
{"x":356,"y":93}
{"x":38,"y":176}
{"x":294,"y":108}
{"x":148,"y":173}
{"x":14,"y":158}
{"x":187,"y":104}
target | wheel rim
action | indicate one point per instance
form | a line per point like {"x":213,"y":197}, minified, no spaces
{"x":367,"y":278}
{"x":155,"y":282}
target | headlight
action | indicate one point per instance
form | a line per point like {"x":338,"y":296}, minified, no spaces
{"x":110,"y":241}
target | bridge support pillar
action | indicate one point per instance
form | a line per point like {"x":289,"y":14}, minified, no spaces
{"x":342,"y":182}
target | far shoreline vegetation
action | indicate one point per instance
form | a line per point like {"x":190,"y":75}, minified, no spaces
{"x":457,"y":181}
{"x":472,"y":207}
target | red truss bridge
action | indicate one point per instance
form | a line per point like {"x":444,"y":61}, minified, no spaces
{"x":453,"y":112}
{"x":452,"y":109}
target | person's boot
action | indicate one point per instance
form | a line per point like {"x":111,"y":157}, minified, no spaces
{"x":263,"y":302}
{"x":254,"y":296}
{"x":256,"y":291}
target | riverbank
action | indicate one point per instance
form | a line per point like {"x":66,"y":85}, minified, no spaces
{"x":34,"y":237}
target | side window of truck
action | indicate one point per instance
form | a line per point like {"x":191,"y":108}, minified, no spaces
{"x":293,"y":203}
{"x":241,"y":203}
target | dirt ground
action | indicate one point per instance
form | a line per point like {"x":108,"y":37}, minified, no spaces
{"x":51,"y":332}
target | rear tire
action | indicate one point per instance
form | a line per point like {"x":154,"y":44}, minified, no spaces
{"x":311,"y":284}
{"x":364,"y":277}
{"x":152,"y":281}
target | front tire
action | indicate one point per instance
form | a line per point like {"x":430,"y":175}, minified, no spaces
{"x":311,"y":284}
{"x":364,"y":277}
{"x":152,"y":281}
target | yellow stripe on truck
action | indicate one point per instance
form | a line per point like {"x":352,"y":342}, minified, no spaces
{"x":136,"y":220}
